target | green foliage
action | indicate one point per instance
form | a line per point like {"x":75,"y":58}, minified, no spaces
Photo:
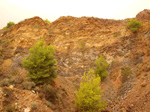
{"x":134,"y":25}
{"x":126,"y":73}
{"x":9,"y":25}
{"x":28,"y":85}
{"x":117,"y":34}
{"x":101,"y":67}
{"x":40,"y":63}
{"x":47,"y":21}
{"x":37,"y":89}
{"x":9,"y":80}
{"x":88,"y":98}
{"x":50,"y":93}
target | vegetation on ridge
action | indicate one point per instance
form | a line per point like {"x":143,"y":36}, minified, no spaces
{"x":47,"y":21}
{"x":9,"y":25}
{"x":134,"y":25}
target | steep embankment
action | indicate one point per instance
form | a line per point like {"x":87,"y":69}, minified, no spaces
{"x":79,"y":42}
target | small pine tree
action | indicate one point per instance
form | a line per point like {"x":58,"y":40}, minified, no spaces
{"x":47,"y":21}
{"x":134,"y":25}
{"x":101,"y":67}
{"x":88,"y":98}
{"x":40,"y":63}
{"x":9,"y":25}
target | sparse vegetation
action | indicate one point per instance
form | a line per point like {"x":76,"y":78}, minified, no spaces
{"x":49,"y":104}
{"x":6,"y":42}
{"x":40,"y":63}
{"x":101,"y":67}
{"x":9,"y":25}
{"x":117,"y":34}
{"x":37,"y":89}
{"x":0,"y":51}
{"x":82,"y":45}
{"x":5,"y":82}
{"x":5,"y":32}
{"x":50,"y":93}
{"x":88,"y":98}
{"x":17,"y":79}
{"x":28,"y":85}
{"x":126,"y":73}
{"x":47,"y":21}
{"x":78,"y":42}
{"x":11,"y":108}
{"x":34,"y":105}
{"x":36,"y":26}
{"x":134,"y":25}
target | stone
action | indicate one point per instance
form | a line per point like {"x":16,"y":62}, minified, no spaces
{"x":11,"y":86}
{"x":143,"y":84}
{"x":27,"y":109}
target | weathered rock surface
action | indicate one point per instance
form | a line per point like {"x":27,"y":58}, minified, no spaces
{"x":79,"y":42}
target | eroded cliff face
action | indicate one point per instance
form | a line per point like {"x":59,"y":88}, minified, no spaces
{"x":79,"y":42}
{"x":143,"y":15}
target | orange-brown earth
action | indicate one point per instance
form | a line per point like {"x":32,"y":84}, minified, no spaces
{"x":79,"y":42}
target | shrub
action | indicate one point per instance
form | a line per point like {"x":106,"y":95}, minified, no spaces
{"x":34,"y":105}
{"x":117,"y":34}
{"x":37,"y":89}
{"x":126,"y":73}
{"x":134,"y":25}
{"x":101,"y":67}
{"x":17,"y":79}
{"x":50,"y":93}
{"x":5,"y":82}
{"x":88,"y":98}
{"x":40,"y":63}
{"x":47,"y":21}
{"x":11,"y":108}
{"x":28,"y":85}
{"x":9,"y":25}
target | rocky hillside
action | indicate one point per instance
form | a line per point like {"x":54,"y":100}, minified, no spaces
{"x":79,"y":42}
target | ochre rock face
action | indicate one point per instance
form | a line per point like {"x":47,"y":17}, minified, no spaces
{"x":78,"y":43}
{"x":143,"y":15}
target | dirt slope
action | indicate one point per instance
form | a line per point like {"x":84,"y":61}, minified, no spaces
{"x":79,"y":42}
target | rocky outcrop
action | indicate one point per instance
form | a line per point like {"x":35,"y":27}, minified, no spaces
{"x":83,"y":26}
{"x":143,"y":15}
{"x":23,"y":35}
{"x":79,"y":42}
